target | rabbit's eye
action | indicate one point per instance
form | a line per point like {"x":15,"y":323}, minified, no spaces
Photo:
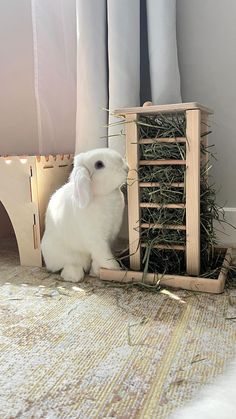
{"x":99,"y":164}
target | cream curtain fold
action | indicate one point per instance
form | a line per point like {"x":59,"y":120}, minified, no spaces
{"x":127,"y":52}
{"x":54,"y":36}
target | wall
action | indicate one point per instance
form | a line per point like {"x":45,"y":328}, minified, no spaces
{"x":18,"y":118}
{"x":206,"y":33}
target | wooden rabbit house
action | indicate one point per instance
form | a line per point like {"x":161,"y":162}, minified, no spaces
{"x":167,"y":151}
{"x":27,"y":183}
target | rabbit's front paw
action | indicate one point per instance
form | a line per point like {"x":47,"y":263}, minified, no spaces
{"x":95,"y":268}
{"x":108,"y":264}
{"x":72,"y":273}
{"x":111,"y":264}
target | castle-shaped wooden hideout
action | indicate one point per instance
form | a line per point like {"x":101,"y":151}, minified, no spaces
{"x":147,"y":129}
{"x":26,"y":184}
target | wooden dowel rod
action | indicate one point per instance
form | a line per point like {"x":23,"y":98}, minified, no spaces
{"x":162,"y":140}
{"x":166,"y":246}
{"x":164,"y":226}
{"x":161,"y":162}
{"x":157,"y":184}
{"x":154,"y":205}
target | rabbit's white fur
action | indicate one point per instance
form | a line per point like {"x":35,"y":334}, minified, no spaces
{"x":84,"y":216}
{"x":215,"y":401}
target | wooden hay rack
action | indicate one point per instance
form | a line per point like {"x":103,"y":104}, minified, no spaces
{"x":196,"y":119}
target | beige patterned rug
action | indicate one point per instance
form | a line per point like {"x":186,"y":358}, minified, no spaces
{"x":90,"y":351}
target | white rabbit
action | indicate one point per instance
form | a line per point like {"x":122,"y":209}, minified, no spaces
{"x":84,"y":216}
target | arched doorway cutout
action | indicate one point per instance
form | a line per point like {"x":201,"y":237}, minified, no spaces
{"x":8,"y":242}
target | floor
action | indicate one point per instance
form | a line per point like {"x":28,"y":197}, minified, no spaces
{"x":94,"y":351}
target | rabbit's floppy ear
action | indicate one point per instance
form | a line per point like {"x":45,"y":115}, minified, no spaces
{"x":82,"y":185}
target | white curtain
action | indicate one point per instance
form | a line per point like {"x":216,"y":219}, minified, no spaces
{"x":122,"y":52}
{"x":54,"y":39}
{"x":126,"y":54}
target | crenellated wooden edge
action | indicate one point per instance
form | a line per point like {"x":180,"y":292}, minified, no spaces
{"x":39,"y":158}
{"x":199,"y":284}
{"x":57,"y":158}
